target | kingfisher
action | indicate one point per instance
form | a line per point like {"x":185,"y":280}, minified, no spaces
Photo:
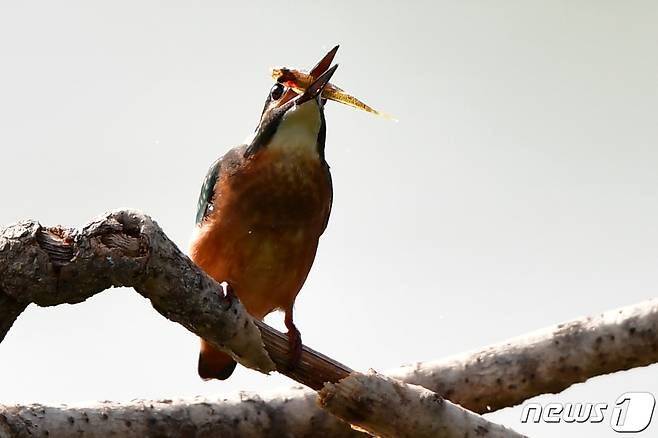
{"x":262,"y":209}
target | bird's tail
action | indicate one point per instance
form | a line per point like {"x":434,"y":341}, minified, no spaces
{"x":214,"y":363}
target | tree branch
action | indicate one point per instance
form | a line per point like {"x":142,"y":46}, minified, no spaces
{"x":389,"y":408}
{"x":50,"y":266}
{"x":545,"y":361}
{"x":495,"y":377}
{"x":292,"y":413}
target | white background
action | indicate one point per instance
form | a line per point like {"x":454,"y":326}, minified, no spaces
{"x":518,"y":190}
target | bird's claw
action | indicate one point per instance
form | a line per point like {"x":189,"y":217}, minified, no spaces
{"x":294,"y":346}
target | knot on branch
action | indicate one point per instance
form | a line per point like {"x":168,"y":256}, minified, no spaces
{"x":113,"y":247}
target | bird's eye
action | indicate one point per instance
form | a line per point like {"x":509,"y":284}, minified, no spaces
{"x":276,"y":92}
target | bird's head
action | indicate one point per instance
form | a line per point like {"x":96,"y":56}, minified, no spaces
{"x":294,"y":122}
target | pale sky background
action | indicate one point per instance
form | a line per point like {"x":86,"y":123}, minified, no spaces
{"x":518,"y":190}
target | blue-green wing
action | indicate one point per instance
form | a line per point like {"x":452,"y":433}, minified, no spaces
{"x":205,"y":204}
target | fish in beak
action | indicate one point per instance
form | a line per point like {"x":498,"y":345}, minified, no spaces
{"x":298,"y":82}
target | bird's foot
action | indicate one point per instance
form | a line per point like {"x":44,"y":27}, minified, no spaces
{"x":294,"y":345}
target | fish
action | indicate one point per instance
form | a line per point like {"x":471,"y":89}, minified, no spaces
{"x":299,"y":81}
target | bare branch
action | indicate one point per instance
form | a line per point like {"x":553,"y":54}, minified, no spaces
{"x":244,"y":415}
{"x":546,"y":361}
{"x":389,"y":408}
{"x":50,"y":266}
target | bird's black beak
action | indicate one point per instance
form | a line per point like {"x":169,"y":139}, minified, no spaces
{"x":324,"y":63}
{"x":321,"y":67}
{"x":317,"y":86}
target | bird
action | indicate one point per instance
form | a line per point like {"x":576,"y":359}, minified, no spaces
{"x":262,"y":209}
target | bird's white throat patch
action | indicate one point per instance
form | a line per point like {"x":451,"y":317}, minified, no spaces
{"x":298,"y":130}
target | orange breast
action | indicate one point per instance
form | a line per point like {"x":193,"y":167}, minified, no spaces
{"x":262,"y":237}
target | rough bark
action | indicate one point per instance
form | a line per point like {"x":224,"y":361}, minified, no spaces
{"x":389,"y":408}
